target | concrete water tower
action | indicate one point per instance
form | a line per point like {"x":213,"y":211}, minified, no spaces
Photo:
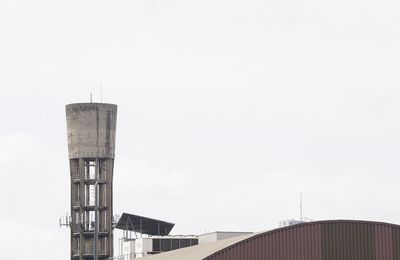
{"x":91,"y":131}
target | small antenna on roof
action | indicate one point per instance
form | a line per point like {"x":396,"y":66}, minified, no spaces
{"x":101,"y":93}
{"x":91,"y":97}
{"x":301,"y":206}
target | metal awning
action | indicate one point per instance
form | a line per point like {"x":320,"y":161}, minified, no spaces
{"x":144,"y":225}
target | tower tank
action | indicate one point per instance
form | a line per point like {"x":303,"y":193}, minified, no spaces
{"x":91,"y":129}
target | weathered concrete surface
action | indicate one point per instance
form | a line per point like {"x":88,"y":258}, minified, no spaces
{"x":91,"y":147}
{"x":91,"y":130}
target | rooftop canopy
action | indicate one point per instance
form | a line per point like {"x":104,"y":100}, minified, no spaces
{"x":144,"y":225}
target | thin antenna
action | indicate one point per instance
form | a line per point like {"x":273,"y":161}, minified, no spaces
{"x":301,"y":206}
{"x":101,"y":93}
{"x":91,"y":96}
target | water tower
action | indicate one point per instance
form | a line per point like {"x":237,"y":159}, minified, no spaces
{"x":91,"y":131}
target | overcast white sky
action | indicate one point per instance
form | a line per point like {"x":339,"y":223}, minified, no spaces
{"x":227,"y":111}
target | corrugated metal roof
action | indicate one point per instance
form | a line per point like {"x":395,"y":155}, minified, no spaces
{"x":322,"y":240}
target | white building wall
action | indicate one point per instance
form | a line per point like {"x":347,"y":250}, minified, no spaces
{"x":219,"y":235}
{"x":143,"y":246}
{"x":128,"y":250}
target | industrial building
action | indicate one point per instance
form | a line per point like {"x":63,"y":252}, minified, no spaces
{"x":320,"y":240}
{"x":144,"y":237}
{"x":91,"y":129}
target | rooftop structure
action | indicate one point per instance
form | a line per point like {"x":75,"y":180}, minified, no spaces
{"x":144,"y":225}
{"x":290,"y":222}
{"x":131,"y":248}
{"x":143,"y":236}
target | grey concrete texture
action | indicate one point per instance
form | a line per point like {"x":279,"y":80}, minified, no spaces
{"x":91,"y":129}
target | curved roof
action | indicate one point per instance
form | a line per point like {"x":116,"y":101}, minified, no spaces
{"x":320,"y":240}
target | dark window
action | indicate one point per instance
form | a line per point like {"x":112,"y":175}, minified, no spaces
{"x":165,"y":245}
{"x":175,"y":244}
{"x":185,"y":242}
{"x":156,"y":245}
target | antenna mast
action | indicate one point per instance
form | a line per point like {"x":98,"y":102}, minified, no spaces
{"x":301,"y":206}
{"x":65,"y":221}
{"x":101,"y":93}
